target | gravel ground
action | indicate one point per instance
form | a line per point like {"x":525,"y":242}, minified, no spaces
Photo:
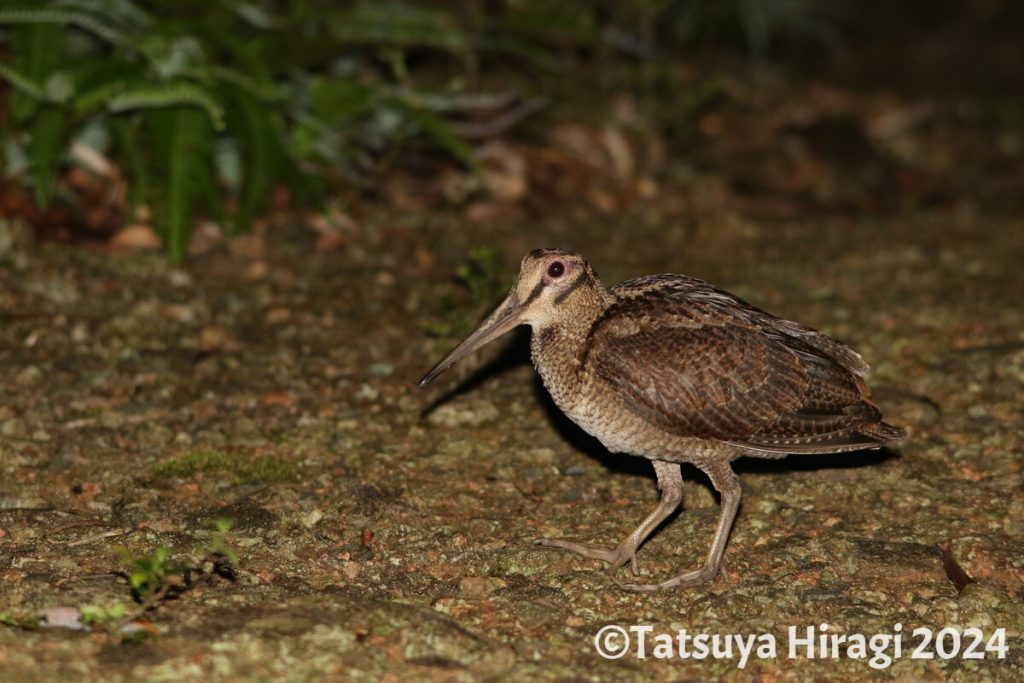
{"x":382,"y":532}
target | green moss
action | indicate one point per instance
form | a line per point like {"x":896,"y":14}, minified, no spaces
{"x":240,"y":467}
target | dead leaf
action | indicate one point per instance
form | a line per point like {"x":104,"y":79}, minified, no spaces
{"x":62,"y":617}
{"x":277,"y":398}
{"x":135,"y":238}
{"x":505,"y":171}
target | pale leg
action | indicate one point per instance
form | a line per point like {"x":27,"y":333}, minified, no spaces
{"x":670,"y":482}
{"x":725,"y":480}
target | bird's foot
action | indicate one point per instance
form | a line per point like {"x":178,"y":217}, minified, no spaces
{"x":615,"y":558}
{"x":694,"y":578}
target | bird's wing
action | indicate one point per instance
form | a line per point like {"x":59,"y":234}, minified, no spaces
{"x":699,"y":362}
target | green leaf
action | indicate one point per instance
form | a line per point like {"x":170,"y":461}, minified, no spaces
{"x":139,"y":579}
{"x":56,"y":17}
{"x":337,"y":102}
{"x":254,"y":15}
{"x":46,"y":150}
{"x":99,"y":78}
{"x":26,"y":622}
{"x":177,"y":57}
{"x":181,"y":141}
{"x":23,"y":83}
{"x":97,"y":614}
{"x":543,"y":21}
{"x":37,"y":50}
{"x":127,"y":143}
{"x":263,"y":91}
{"x":437,"y":129}
{"x":401,"y":25}
{"x":260,"y":139}
{"x":99,"y":97}
{"x":124,"y":13}
{"x":174,"y":94}
{"x":162,"y":554}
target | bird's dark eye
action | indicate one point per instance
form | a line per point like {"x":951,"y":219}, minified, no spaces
{"x":556,"y":269}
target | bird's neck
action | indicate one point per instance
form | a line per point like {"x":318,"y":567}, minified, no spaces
{"x":558,"y":352}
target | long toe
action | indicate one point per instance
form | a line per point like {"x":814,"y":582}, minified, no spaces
{"x":620,"y":559}
{"x":686,"y":580}
{"x":615,"y":558}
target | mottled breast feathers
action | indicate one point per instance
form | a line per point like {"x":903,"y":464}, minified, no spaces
{"x":699,"y":362}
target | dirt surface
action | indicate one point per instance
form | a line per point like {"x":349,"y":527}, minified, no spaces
{"x":383,"y":532}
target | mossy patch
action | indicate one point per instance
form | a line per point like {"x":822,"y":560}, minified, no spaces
{"x":265,"y":469}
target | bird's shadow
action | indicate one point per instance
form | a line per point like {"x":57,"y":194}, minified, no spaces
{"x":807,"y":462}
{"x":514,"y":354}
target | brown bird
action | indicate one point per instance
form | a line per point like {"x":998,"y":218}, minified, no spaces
{"x":672,"y":369}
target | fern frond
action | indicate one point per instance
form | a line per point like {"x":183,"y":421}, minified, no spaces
{"x":46,"y":149}
{"x":98,"y":97}
{"x":401,"y":25}
{"x":309,"y":188}
{"x":80,"y":20}
{"x":100,"y":77}
{"x":129,"y":147}
{"x":129,"y":15}
{"x":437,"y":129}
{"x":264,"y":92}
{"x":168,"y":95}
{"x":178,"y":58}
{"x":338,"y":102}
{"x":181,"y":141}
{"x":36,"y":51}
{"x":260,"y":140}
{"x":24,"y":84}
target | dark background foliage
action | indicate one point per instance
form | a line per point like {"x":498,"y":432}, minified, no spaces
{"x":206,"y":109}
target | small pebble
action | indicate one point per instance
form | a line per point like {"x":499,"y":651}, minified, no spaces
{"x":310,"y":519}
{"x":367,"y":393}
{"x":480,"y":586}
{"x":382,"y":369}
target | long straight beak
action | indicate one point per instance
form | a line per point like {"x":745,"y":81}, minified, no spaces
{"x":504,"y":318}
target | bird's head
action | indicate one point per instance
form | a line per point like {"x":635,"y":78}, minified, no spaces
{"x":553,"y":285}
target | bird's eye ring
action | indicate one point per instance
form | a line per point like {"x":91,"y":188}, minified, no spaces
{"x":556,"y":269}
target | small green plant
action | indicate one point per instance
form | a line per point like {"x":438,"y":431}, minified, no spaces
{"x":219,"y":550}
{"x":481,"y":274}
{"x":9,"y":619}
{"x":161,"y":575}
{"x":99,"y":615}
{"x":153,"y":577}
